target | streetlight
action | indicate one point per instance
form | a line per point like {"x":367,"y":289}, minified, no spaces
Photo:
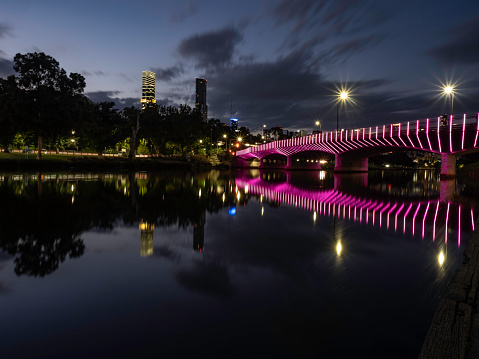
{"x":342,"y":96}
{"x":225,"y":136}
{"x":449,"y":90}
{"x":318,"y":125}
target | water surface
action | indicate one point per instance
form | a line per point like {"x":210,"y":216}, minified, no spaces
{"x":259,"y":264}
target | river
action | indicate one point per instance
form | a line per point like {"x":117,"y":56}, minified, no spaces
{"x":269,"y":264}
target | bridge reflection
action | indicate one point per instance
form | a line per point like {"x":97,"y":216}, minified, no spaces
{"x":436,"y":218}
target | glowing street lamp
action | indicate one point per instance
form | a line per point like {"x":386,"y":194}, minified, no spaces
{"x":449,"y":90}
{"x":342,"y":96}
{"x":318,"y":125}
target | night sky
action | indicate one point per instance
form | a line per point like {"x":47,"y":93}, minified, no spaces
{"x":277,"y":62}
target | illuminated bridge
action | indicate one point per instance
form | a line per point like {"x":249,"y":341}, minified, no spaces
{"x":433,"y":218}
{"x":448,"y":137}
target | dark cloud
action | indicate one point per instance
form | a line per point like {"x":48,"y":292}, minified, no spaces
{"x":6,"y":67}
{"x":462,"y":47}
{"x":267,"y":92}
{"x":112,"y":96}
{"x":354,"y":46}
{"x":169,"y":73}
{"x":190,"y":9}
{"x":5,"y":30}
{"x":94,"y":73}
{"x":298,"y":11}
{"x":211,"y":50}
{"x":100,"y":73}
{"x":313,"y":22}
{"x":207,"y":278}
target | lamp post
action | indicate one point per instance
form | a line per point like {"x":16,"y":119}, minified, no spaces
{"x":318,"y":126}
{"x":342,"y":96}
{"x":225,"y":136}
{"x":449,"y":90}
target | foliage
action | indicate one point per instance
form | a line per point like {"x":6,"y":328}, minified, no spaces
{"x":50,"y":99}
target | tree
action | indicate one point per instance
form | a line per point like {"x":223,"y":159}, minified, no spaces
{"x":49,"y":96}
{"x":9,"y":111}
{"x":104,"y":127}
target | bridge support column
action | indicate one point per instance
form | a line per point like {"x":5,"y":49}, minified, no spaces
{"x":345,"y":163}
{"x":448,"y":166}
{"x":289,"y":162}
{"x":241,"y":162}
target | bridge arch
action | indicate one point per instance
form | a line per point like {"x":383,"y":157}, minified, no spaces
{"x":451,"y":137}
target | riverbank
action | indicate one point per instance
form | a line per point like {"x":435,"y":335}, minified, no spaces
{"x":101,"y":163}
{"x":454,"y":332}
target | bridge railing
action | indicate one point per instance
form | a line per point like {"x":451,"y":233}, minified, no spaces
{"x":441,"y":124}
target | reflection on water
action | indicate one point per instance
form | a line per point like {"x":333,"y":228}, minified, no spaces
{"x":295,"y":264}
{"x":424,"y":209}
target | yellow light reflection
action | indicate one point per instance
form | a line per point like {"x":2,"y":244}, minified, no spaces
{"x":246,"y":189}
{"x":441,"y":258}
{"x":339,"y":248}
{"x":238,"y":196}
{"x":262,"y":210}
{"x":224,"y":197}
{"x":314,"y":216}
{"x":199,"y":193}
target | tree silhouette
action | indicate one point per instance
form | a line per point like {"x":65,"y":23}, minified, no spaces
{"x":48,"y":95}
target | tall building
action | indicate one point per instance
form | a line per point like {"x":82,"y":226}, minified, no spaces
{"x":234,"y":124}
{"x":201,"y":98}
{"x":147,"y":89}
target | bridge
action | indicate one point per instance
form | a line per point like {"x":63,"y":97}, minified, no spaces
{"x":449,"y":137}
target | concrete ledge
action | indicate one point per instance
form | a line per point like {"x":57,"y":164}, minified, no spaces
{"x":449,"y":335}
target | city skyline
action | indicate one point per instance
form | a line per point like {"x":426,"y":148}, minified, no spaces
{"x":281,"y":62}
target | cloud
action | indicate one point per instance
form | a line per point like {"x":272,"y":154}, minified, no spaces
{"x":94,"y":73}
{"x":271,"y":91}
{"x":169,"y":73}
{"x":5,"y":30}
{"x":112,"y":96}
{"x":313,"y":22}
{"x":212,"y":49}
{"x":6,"y":67}
{"x":354,"y":46}
{"x":462,"y":47}
{"x":190,"y":9}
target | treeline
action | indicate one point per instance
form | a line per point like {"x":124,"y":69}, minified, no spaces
{"x":43,"y":107}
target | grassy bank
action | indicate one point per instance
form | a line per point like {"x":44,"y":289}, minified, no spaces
{"x":20,"y":161}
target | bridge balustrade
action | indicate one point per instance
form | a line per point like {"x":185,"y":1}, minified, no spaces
{"x":448,"y":137}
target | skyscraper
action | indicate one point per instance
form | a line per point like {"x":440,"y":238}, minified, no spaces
{"x":201,"y":98}
{"x":147,"y":89}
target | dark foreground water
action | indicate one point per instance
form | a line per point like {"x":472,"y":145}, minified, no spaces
{"x":226,"y":265}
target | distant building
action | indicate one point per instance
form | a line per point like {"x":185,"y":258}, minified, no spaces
{"x":147,"y":89}
{"x":201,"y":106}
{"x":234,"y":124}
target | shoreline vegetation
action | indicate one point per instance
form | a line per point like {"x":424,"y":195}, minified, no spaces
{"x":17,"y":161}
{"x":21,"y":161}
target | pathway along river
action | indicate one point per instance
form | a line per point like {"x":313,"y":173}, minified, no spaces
{"x":227,"y":264}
